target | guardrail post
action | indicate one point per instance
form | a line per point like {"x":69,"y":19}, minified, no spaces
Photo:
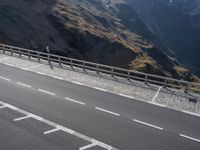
{"x":165,"y":83}
{"x":29,"y":57}
{"x":112,"y":72}
{"x":59,"y":61}
{"x":20,"y":53}
{"x":11,"y":51}
{"x":84,"y":66}
{"x":38,"y":56}
{"x":146,"y":79}
{"x":128,"y":75}
{"x":186,"y":88}
{"x":97,"y":68}
{"x":4,"y":50}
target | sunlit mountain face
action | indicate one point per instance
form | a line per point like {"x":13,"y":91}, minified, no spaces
{"x":177,"y":24}
{"x":104,"y":31}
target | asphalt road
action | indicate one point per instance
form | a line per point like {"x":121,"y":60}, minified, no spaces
{"x":115,"y":120}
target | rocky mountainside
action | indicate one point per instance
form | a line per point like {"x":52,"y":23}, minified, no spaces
{"x":177,"y":24}
{"x":103,"y":31}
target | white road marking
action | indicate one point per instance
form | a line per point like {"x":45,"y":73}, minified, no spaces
{"x":2,"y":106}
{"x":87,"y":146}
{"x":100,"y":89}
{"x":51,"y":131}
{"x":41,"y":73}
{"x":191,"y":113}
{"x":75,"y":101}
{"x":57,"y":77}
{"x":107,"y":111}
{"x":24,"y":84}
{"x":147,"y":124}
{"x":47,"y":92}
{"x":57,"y":126}
{"x":22,"y":118}
{"x":4,"y":78}
{"x":126,"y":96}
{"x":25,"y":69}
{"x":77,"y":83}
{"x":154,"y":98}
{"x":157,"y":104}
{"x":188,"y":137}
{"x":10,"y":65}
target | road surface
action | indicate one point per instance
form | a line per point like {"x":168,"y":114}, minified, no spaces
{"x":117,"y":121}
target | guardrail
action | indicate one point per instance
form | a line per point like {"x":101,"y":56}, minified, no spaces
{"x":99,"y":68}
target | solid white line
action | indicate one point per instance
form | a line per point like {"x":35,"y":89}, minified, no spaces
{"x":55,"y":125}
{"x":157,"y":104}
{"x":87,"y":146}
{"x":75,"y":101}
{"x":58,"y":77}
{"x":107,"y":111}
{"x":24,"y":84}
{"x":22,"y":118}
{"x":100,"y":89}
{"x":154,"y":98}
{"x":10,"y":65}
{"x":51,"y":131}
{"x":4,"y":78}
{"x":188,"y":137}
{"x":147,"y":124}
{"x":25,"y":68}
{"x":47,"y":92}
{"x":41,"y":73}
{"x":191,"y":113}
{"x":126,"y":96}
{"x":77,"y":83}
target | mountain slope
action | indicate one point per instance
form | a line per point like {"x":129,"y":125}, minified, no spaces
{"x":102,"y":31}
{"x":177,"y":24}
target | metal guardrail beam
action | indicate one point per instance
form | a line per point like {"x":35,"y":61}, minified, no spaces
{"x":100,"y":68}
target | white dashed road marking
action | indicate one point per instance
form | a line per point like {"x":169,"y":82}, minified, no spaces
{"x":189,"y":137}
{"x":51,"y":131}
{"x":22,"y":118}
{"x":87,"y":146}
{"x":47,"y":92}
{"x":75,"y":101}
{"x":147,"y":124}
{"x":22,"y":84}
{"x":2,"y":106}
{"x":4,"y":78}
{"x":107,"y":111}
{"x":57,"y":127}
